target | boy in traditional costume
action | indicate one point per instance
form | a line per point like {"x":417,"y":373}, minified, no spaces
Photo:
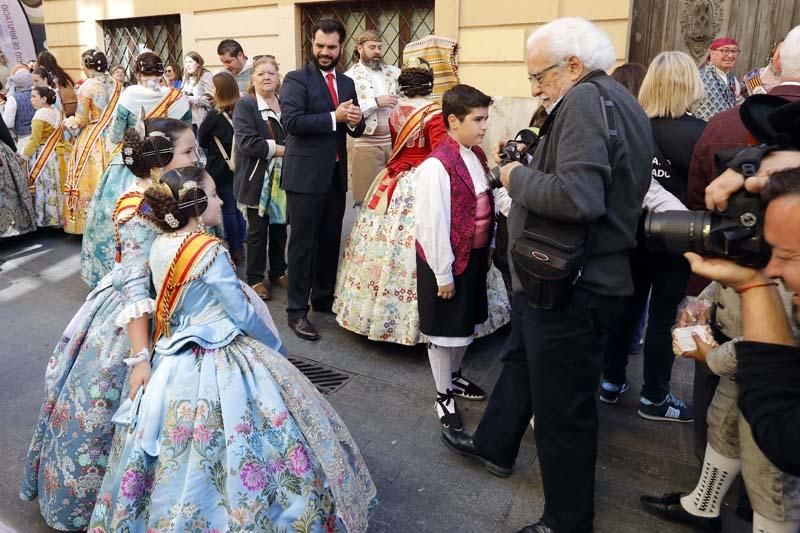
{"x":454,"y":223}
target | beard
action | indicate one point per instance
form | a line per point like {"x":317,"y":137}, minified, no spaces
{"x":328,"y":68}
{"x":375,"y":63}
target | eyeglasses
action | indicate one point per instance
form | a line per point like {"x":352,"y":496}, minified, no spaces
{"x":539,"y":76}
{"x":728,"y":51}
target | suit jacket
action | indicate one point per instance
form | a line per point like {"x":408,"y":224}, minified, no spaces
{"x":311,"y":144}
{"x":725,"y":131}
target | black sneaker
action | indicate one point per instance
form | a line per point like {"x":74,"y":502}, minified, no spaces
{"x":610,"y":393}
{"x":668,"y":507}
{"x":463,"y":387}
{"x":669,"y":410}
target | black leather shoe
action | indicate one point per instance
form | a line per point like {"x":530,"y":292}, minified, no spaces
{"x":304,"y":329}
{"x":668,"y":507}
{"x":461,"y":443}
{"x":538,"y":527}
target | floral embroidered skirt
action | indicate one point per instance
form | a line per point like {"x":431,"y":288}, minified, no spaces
{"x":84,"y":382}
{"x":48,"y":198}
{"x":17,"y":215}
{"x":98,"y":246}
{"x":233,"y":439}
{"x":376,"y":286}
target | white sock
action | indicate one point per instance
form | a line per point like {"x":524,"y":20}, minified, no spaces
{"x":715,"y":479}
{"x":441,"y":368}
{"x":457,"y":356}
{"x":762,"y":524}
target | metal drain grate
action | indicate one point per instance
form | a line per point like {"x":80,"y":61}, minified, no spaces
{"x":325,"y":378}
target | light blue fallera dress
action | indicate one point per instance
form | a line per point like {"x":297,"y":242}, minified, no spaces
{"x":84,"y":383}
{"x":97,"y":249}
{"x":228,"y":435}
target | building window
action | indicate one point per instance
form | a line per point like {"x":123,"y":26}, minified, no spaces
{"x":125,"y":39}
{"x":398,"y":21}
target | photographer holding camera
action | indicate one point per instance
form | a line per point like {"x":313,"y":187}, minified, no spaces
{"x":730,"y":244}
{"x":575,"y":210}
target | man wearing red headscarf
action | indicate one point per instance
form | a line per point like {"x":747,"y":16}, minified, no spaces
{"x":723,"y":90}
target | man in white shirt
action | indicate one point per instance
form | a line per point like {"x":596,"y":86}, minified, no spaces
{"x":376,"y":86}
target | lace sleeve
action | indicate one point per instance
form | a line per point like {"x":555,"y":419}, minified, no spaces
{"x":136,"y":235}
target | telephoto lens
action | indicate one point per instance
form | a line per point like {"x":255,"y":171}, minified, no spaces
{"x":736,"y":233}
{"x":675,"y":232}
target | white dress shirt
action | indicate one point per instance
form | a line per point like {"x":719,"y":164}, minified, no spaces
{"x":432,"y":211}
{"x":432,"y":217}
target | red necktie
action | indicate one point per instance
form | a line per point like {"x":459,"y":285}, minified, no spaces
{"x":332,"y":90}
{"x":335,"y":98}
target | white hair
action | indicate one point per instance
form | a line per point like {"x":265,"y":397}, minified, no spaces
{"x":790,"y":54}
{"x":572,"y":36}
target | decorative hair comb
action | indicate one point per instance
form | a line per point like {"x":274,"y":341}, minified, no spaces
{"x":416,"y":62}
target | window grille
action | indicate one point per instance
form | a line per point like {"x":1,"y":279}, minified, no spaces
{"x":398,"y":21}
{"x":125,"y":38}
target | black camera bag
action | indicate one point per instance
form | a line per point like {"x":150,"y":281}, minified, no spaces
{"x":548,"y":259}
{"x":549,"y":256}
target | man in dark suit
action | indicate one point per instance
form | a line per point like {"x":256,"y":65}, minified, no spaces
{"x":318,"y":107}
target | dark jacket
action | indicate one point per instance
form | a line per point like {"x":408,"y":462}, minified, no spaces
{"x":724,"y":131}
{"x":675,"y":139}
{"x":252,"y":149}
{"x":216,"y":125}
{"x":768,"y":376}
{"x":571,"y":179}
{"x":311,"y":143}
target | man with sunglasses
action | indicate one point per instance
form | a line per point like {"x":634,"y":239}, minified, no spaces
{"x":590,"y":169}
{"x":723,"y":90}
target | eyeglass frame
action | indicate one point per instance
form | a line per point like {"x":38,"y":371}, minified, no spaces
{"x":734,"y":52}
{"x":539,"y":76}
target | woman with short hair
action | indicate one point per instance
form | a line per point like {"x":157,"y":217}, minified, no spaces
{"x":260,"y":141}
{"x":670,"y":90}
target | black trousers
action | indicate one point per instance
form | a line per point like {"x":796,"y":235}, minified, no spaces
{"x":551,"y":368}
{"x":264,"y":239}
{"x":666,"y":276}
{"x":314,"y":247}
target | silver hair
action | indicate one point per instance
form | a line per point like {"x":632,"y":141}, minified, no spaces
{"x":572,"y":36}
{"x":790,"y":54}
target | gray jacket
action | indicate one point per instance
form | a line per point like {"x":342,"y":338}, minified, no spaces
{"x":571,"y":179}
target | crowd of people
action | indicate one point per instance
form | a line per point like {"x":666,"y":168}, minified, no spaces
{"x":169,"y":402}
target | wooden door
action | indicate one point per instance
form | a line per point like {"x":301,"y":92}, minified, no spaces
{"x":691,"y":25}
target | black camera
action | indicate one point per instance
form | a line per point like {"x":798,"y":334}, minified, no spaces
{"x":736,"y":233}
{"x":511,"y":153}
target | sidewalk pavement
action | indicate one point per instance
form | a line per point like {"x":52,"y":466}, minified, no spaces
{"x":387,"y":404}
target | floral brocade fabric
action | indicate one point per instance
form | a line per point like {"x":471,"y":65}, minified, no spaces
{"x":244,"y":443}
{"x":85,"y":380}
{"x":376,"y":287}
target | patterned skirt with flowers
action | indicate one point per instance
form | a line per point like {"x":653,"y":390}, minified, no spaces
{"x":98,"y":246}
{"x":233,"y":439}
{"x":376,"y":286}
{"x":84,"y":382}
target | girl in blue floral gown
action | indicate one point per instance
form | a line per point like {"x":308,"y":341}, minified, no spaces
{"x":85,"y":378}
{"x":155,"y":101}
{"x":228,"y":435}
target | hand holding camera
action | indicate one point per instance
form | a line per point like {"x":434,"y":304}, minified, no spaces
{"x":509,"y":155}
